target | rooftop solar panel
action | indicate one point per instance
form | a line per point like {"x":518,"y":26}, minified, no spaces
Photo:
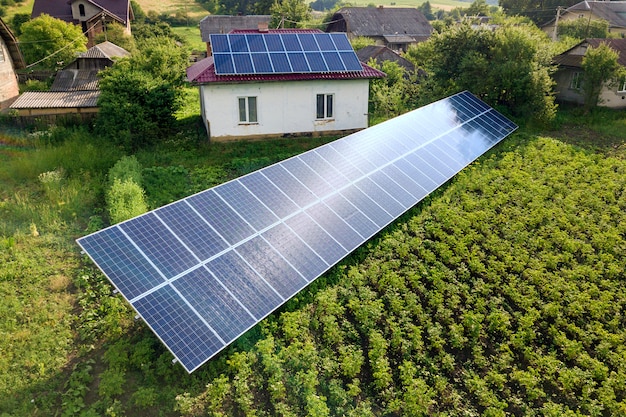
{"x":306,"y":53}
{"x":205,"y":269}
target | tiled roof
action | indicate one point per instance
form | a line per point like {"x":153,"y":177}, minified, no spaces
{"x":380,"y":21}
{"x":213,"y":24}
{"x":55,"y":100}
{"x":75,"y":80}
{"x":203,"y":72}
{"x":568,"y":59}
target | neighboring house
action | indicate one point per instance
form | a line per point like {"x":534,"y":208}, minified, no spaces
{"x":381,"y":54}
{"x":613,"y":12}
{"x":10,"y":59}
{"x":91,"y":15}
{"x":569,"y":76}
{"x":258,"y":103}
{"x":394,"y":27}
{"x":215,"y":24}
{"x":75,"y":88}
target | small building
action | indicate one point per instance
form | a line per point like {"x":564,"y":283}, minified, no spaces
{"x":75,"y":90}
{"x":11,"y":59}
{"x":569,"y":75}
{"x":91,"y":15}
{"x":381,"y":54}
{"x":394,"y":27}
{"x":279,"y":90}
{"x":221,"y":24}
{"x":614,"y":12}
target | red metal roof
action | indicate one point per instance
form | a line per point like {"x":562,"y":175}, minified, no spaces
{"x":203,"y":72}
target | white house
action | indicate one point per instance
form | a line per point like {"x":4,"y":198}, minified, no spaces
{"x":256,"y":102}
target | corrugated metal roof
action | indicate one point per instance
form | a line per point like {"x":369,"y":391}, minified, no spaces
{"x":55,"y":100}
{"x":75,"y":80}
{"x":568,"y":59}
{"x":380,"y":21}
{"x":105,"y":50}
{"x":213,"y":24}
{"x":203,"y":72}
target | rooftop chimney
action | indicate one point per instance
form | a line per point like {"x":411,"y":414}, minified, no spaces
{"x":263,"y":27}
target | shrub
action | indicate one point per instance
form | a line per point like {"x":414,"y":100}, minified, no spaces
{"x":125,"y":200}
{"x":127,"y":168}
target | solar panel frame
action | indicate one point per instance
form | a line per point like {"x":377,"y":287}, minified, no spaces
{"x":315,"y":208}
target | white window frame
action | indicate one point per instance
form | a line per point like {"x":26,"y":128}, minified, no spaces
{"x":325,"y":111}
{"x":622,"y":89}
{"x":576,"y":82}
{"x":247,"y":110}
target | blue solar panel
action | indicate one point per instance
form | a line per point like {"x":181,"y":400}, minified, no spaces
{"x":307,"y":53}
{"x":203,"y":270}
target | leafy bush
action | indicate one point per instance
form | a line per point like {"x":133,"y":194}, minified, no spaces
{"x":165,"y":184}
{"x":127,"y":168}
{"x":125,"y":200}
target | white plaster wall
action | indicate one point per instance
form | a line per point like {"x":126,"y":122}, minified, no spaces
{"x":284,"y":107}
{"x":90,"y":10}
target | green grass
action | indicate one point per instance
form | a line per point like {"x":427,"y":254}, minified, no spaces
{"x":527,"y":241}
{"x":191,"y":35}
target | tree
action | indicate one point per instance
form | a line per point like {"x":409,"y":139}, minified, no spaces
{"x":508,"y":68}
{"x":17,"y":21}
{"x":478,"y":8}
{"x":140,"y":94}
{"x":599,"y":68}
{"x":114,"y":33}
{"x":583,"y":28}
{"x":53,"y":41}
{"x":289,"y":13}
{"x":539,"y":12}
{"x":426,"y":10}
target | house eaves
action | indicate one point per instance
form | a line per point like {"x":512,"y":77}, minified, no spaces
{"x":12,"y":45}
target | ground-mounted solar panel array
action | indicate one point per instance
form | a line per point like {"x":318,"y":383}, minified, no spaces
{"x":203,"y":270}
{"x":282,"y":53}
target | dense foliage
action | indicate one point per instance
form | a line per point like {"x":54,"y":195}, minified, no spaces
{"x":464,"y":58}
{"x":583,"y":28}
{"x":51,"y":41}
{"x":140,"y":94}
{"x":600,"y":67}
{"x":539,"y":11}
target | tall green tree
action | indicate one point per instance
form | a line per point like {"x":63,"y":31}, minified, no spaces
{"x":140,"y":94}
{"x":600,"y":67}
{"x":289,"y":13}
{"x":509,"y":68}
{"x":52,"y":41}
{"x":539,"y":12}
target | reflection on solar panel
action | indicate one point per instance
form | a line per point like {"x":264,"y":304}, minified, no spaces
{"x":203,"y":270}
{"x":283,"y":53}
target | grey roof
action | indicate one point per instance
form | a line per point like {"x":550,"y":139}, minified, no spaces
{"x":105,"y":50}
{"x":75,"y":80}
{"x":382,"y":53}
{"x":55,"y":100}
{"x":613,"y":12}
{"x":224,"y":24}
{"x":566,"y":59}
{"x":12,"y":45}
{"x":380,"y":21}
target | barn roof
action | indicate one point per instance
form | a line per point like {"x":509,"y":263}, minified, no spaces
{"x":105,"y":50}
{"x":381,"y":21}
{"x":213,"y":24}
{"x":12,"y":45}
{"x":75,"y":80}
{"x":380,"y":54}
{"x":568,"y":59}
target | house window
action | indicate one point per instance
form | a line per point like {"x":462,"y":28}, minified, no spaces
{"x":247,"y":110}
{"x":325,"y":106}
{"x":577,"y":81}
{"x":81,"y":9}
{"x":622,"y":88}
